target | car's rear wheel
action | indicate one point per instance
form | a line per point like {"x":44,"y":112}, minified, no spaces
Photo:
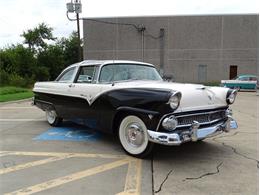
{"x":52,"y":118}
{"x":133,"y":137}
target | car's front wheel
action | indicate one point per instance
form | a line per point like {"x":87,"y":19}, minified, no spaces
{"x":133,"y":137}
{"x":52,"y":118}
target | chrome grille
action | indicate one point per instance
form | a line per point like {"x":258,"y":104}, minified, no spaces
{"x":202,"y":118}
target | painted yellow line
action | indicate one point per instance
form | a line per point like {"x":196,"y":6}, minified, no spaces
{"x":5,"y":153}
{"x":18,"y":107}
{"x":69,"y":178}
{"x":133,"y":178}
{"x":63,"y":154}
{"x":33,"y":163}
{"x":20,"y":120}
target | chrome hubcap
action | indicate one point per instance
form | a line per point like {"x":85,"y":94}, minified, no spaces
{"x":134,"y":135}
{"x":51,"y":115}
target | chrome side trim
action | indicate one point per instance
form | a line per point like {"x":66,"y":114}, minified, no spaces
{"x":193,"y":134}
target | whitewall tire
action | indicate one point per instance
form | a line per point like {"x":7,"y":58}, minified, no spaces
{"x":52,"y":118}
{"x":133,"y":136}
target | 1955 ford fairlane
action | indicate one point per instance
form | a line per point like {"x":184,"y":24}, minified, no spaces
{"x":131,"y":100}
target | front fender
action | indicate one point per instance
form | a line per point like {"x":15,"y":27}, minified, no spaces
{"x":136,"y":101}
{"x":149,"y":117}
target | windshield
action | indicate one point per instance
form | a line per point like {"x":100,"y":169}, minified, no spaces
{"x":123,"y":72}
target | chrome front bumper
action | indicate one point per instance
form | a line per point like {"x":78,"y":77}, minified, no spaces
{"x":193,"y":134}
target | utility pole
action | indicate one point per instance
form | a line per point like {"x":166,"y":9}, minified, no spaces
{"x":78,"y":27}
{"x":162,"y":50}
{"x":77,"y":8}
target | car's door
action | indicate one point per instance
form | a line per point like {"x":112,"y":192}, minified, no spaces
{"x":86,"y":88}
{"x":62,"y":97}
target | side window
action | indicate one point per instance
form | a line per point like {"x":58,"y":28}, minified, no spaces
{"x":67,"y":76}
{"x":86,"y":74}
{"x":106,"y":74}
{"x":253,"y":79}
{"x":243,"y":78}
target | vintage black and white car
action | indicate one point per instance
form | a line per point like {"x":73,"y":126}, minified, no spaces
{"x":131,"y":100}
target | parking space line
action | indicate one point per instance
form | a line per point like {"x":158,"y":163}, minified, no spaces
{"x":133,"y":178}
{"x":33,"y":163}
{"x":5,"y":153}
{"x":69,"y":178}
{"x":24,"y":107}
{"x":20,"y":120}
{"x":21,"y":153}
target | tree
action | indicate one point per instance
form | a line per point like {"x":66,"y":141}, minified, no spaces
{"x":18,"y":59}
{"x":51,"y":58}
{"x":17,"y":66}
{"x":58,"y":56}
{"x":37,"y":37}
{"x":41,"y":60}
{"x":70,"y":47}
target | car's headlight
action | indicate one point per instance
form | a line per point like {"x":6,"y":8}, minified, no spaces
{"x":174,"y":100}
{"x":170,"y":123}
{"x":231,"y":96}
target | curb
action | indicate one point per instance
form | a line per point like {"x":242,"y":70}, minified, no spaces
{"x":16,"y":101}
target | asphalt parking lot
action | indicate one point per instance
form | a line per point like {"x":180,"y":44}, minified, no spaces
{"x":36,"y":158}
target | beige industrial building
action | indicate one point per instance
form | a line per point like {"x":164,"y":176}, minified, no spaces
{"x":190,"y":48}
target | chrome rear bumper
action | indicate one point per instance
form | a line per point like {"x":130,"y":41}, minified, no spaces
{"x":193,"y":134}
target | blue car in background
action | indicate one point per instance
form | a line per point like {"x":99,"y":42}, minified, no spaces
{"x":245,"y":81}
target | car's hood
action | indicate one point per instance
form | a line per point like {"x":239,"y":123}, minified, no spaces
{"x":194,"y":96}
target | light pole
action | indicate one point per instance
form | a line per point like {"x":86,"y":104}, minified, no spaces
{"x":76,"y":7}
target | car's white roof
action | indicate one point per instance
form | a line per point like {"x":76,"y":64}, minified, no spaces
{"x":103,"y":62}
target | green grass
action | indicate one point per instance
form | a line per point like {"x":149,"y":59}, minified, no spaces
{"x":14,"y":93}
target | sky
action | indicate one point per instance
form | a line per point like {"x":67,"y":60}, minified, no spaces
{"x":17,"y":16}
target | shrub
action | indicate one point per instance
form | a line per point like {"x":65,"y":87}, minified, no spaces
{"x":42,"y":73}
{"x":4,"y":78}
{"x":18,"y":81}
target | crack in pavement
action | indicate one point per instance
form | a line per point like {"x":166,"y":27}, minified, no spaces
{"x":206,"y":174}
{"x":234,"y":149}
{"x":165,"y":179}
{"x":240,"y":154}
{"x":152,"y":173}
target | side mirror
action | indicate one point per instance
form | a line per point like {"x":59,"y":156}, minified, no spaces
{"x":168,"y":77}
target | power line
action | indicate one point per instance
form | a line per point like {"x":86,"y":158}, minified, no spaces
{"x":138,"y":27}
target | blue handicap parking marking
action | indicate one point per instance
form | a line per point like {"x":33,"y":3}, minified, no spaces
{"x":69,"y":132}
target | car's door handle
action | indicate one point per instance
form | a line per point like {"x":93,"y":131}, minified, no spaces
{"x":71,"y":85}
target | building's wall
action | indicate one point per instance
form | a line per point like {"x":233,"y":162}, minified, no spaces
{"x":189,"y":41}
